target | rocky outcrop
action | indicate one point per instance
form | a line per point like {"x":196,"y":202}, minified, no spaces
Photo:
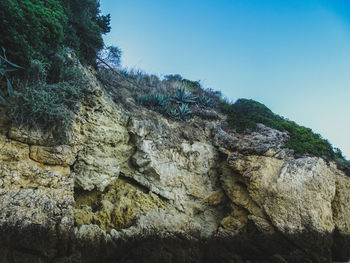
{"x":131,"y":186}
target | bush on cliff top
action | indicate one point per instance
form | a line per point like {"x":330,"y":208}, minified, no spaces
{"x":84,"y":29}
{"x":40,"y":36}
{"x":37,"y":104}
{"x":244,"y":115}
{"x":37,"y":29}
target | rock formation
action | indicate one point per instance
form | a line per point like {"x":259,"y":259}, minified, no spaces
{"x":132,"y":186}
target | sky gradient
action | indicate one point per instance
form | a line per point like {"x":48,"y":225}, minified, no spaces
{"x":291,"y":55}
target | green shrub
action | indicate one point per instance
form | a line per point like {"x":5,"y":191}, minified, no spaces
{"x":38,"y":29}
{"x":85,"y":28}
{"x":244,"y":115}
{"x":191,"y":85}
{"x":45,"y":105}
{"x":42,"y":105}
{"x":31,"y":29}
{"x":43,"y":36}
{"x":37,"y":71}
{"x":343,"y":164}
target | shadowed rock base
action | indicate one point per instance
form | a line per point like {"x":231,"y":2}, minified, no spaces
{"x":36,"y":244}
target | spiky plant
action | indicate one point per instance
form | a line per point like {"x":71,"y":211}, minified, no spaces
{"x":205,"y":101}
{"x":173,"y":113}
{"x":184,"y":112}
{"x":5,"y":67}
{"x":181,"y":96}
{"x":181,"y":113}
{"x":160,"y":100}
{"x":157,"y":100}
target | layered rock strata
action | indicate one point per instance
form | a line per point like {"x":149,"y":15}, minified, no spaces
{"x":131,"y":186}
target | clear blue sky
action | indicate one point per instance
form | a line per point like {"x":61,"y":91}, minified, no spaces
{"x":291,"y":55}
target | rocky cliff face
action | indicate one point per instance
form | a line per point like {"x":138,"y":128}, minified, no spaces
{"x":132,"y":186}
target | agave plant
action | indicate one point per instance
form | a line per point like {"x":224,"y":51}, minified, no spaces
{"x":181,"y":96}
{"x":182,"y":113}
{"x":157,"y":100}
{"x":160,"y":100}
{"x":5,"y":67}
{"x":206,"y":101}
{"x":173,"y":113}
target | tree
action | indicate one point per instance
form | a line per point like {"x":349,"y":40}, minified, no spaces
{"x":85,"y":28}
{"x":31,"y":29}
{"x":38,"y":29}
{"x":111,"y":55}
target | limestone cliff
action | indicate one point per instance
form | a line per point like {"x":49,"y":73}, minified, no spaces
{"x":132,"y":186}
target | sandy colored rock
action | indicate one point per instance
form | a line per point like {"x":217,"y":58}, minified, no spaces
{"x":341,"y":210}
{"x":295,"y":194}
{"x":105,"y":148}
{"x":117,"y":208}
{"x":63,"y":155}
{"x":129,"y":182}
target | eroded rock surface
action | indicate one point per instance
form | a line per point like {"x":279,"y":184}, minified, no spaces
{"x":132,"y":186}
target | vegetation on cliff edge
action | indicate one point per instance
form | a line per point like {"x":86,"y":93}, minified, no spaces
{"x":36,"y":29}
{"x":244,"y":115}
{"x":44,"y":37}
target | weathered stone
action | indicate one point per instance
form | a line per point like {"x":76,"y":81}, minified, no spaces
{"x":130,"y":183}
{"x":33,"y":136}
{"x":105,"y":148}
{"x":12,"y":151}
{"x":57,"y":155}
{"x":175,"y":173}
{"x":116,"y":208}
{"x":340,"y":207}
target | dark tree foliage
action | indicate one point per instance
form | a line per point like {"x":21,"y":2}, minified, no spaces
{"x":245,"y":114}
{"x":42,"y":36}
{"x":85,"y":28}
{"x":31,"y":29}
{"x":38,"y":29}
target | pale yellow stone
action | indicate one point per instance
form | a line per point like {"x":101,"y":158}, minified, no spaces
{"x":126,"y":173}
{"x":57,"y":155}
{"x":117,"y":208}
{"x":340,"y":204}
{"x":215,"y":198}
